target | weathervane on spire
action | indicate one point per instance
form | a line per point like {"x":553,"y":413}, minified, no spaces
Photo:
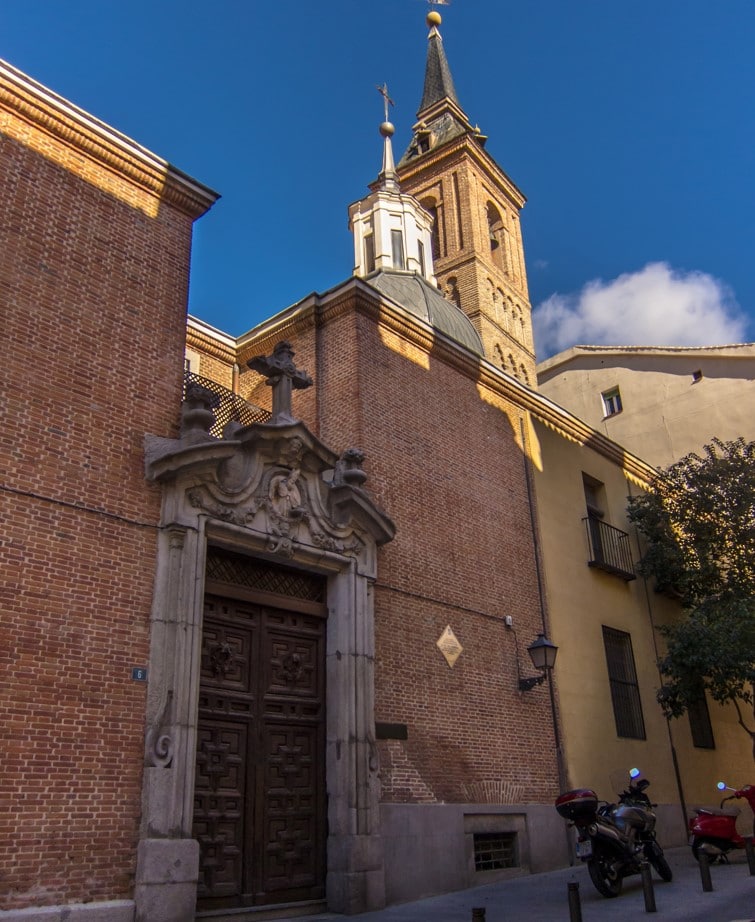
{"x":383,"y":90}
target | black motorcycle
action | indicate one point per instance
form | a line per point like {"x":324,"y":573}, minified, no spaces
{"x":615,"y":839}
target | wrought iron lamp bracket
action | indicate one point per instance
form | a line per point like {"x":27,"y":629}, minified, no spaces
{"x":530,"y":683}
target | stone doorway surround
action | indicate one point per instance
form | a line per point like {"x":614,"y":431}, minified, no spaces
{"x":272,"y":491}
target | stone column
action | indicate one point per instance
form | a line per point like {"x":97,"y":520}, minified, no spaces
{"x":355,"y":880}
{"x":168,"y":858}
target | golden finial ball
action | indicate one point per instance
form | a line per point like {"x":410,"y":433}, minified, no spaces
{"x":386,"y":129}
{"x":434,"y":18}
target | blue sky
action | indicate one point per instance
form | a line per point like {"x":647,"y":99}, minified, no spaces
{"x":628,"y":126}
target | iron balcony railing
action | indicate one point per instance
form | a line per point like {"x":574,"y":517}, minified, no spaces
{"x":227,"y":406}
{"x":609,"y":548}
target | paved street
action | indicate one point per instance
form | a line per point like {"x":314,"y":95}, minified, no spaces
{"x":543,"y":898}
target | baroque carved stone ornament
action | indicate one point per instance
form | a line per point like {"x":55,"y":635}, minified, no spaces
{"x":282,"y":375}
{"x":197,"y":414}
{"x":285,"y":496}
{"x":349,"y":468}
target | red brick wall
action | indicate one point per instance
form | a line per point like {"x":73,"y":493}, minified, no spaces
{"x":216,"y":358}
{"x":93,"y":298}
{"x":445,"y":463}
{"x":216,"y":369}
{"x":446,"y":466}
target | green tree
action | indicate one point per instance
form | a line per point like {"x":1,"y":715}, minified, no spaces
{"x":698,"y":520}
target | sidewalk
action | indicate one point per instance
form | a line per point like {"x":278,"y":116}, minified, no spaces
{"x":543,"y":898}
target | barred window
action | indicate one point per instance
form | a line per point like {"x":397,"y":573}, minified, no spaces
{"x":625,"y":691}
{"x":699,"y":723}
{"x":495,"y":851}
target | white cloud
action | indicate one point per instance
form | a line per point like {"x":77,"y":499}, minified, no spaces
{"x":655,"y":306}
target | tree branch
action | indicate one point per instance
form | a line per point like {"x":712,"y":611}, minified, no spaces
{"x":740,"y":719}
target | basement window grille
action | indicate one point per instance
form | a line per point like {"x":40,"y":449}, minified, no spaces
{"x":495,"y":851}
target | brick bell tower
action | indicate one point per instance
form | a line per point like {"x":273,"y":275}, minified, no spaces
{"x":476,"y":238}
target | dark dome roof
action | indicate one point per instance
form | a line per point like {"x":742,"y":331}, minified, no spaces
{"x":420,"y":298}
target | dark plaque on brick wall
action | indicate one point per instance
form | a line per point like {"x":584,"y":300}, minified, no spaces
{"x":385,"y":731}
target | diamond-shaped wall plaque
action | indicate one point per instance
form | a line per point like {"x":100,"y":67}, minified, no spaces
{"x":449,"y":646}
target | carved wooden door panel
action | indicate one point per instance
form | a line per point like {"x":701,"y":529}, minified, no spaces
{"x":259,"y":812}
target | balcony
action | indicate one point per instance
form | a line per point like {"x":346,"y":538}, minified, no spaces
{"x":227,"y":406}
{"x":609,"y":548}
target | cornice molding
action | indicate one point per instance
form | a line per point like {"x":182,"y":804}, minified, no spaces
{"x":731,"y":351}
{"x":208,"y":345}
{"x":262,"y":338}
{"x":49,"y":113}
{"x":202,"y":328}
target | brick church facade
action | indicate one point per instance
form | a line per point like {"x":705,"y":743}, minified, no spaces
{"x":266,"y":623}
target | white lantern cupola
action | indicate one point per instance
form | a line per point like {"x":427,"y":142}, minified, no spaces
{"x":392,"y":231}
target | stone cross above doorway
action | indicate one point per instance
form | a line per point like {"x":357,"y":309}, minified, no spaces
{"x":282,"y":375}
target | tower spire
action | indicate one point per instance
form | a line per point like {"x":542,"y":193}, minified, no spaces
{"x":440,"y":116}
{"x":478,"y":256}
{"x":439,"y":83}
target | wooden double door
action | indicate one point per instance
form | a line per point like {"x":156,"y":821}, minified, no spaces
{"x":260,"y":806}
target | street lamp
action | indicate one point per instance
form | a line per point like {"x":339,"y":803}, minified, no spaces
{"x":543,"y":655}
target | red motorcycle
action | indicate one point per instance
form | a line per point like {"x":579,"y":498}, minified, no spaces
{"x":717,"y":829}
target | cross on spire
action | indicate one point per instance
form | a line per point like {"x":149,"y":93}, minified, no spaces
{"x":383,"y":90}
{"x":282,"y":375}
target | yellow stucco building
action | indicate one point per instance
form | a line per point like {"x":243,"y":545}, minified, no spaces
{"x":660,"y":402}
{"x":604,"y":619}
